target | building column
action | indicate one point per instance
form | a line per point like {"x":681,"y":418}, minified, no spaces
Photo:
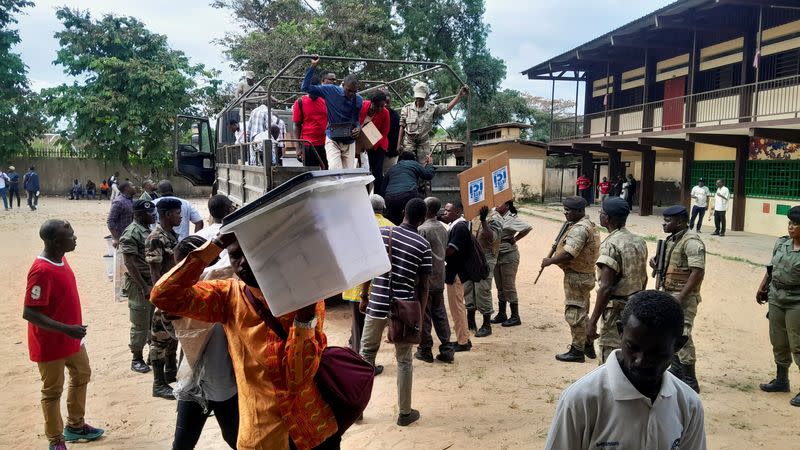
{"x":647,"y":182}
{"x":614,"y":164}
{"x":687,"y":161}
{"x":587,"y":170}
{"x":739,"y":171}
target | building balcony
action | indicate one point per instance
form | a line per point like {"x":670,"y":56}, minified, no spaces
{"x":769,"y":100}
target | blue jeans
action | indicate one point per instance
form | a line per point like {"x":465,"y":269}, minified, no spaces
{"x":33,"y":200}
{"x":698,"y":212}
{"x":5,"y":200}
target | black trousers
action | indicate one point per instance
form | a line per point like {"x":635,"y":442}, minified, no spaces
{"x":356,"y":327}
{"x":12,"y":191}
{"x":396,"y":203}
{"x":310,"y":157}
{"x":698,"y":212}
{"x":376,"y":167}
{"x":719,"y":222}
{"x":435,"y":318}
{"x":191,"y":420}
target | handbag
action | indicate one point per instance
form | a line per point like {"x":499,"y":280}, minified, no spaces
{"x":405,"y":316}
{"x":344,"y":378}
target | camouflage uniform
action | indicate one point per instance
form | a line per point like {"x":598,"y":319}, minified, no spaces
{"x":626,"y":254}
{"x":417,"y":124}
{"x":582,"y":242}
{"x":784,"y":303}
{"x":132,"y":242}
{"x":479,"y":295}
{"x":160,"y":249}
{"x":684,"y":251}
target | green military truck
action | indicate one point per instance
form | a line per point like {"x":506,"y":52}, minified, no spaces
{"x":210,"y":156}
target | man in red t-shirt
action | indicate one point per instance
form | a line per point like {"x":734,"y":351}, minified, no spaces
{"x":375,"y":111}
{"x":605,"y":188}
{"x":310,"y":117}
{"x":53,"y":311}
{"x":584,"y":183}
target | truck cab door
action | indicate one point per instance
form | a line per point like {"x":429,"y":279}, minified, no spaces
{"x":194,"y":150}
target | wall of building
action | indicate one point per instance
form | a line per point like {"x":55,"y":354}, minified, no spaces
{"x":57,"y":174}
{"x":767,"y":216}
{"x":559,"y":183}
{"x":527,"y":165}
{"x":708,"y":152}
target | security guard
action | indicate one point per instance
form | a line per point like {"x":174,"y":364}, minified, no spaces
{"x":486,"y":228}
{"x":622,"y":271}
{"x":161,"y":258}
{"x":781,"y":288}
{"x":137,"y":279}
{"x":417,"y":119}
{"x":577,"y":254}
{"x":683,"y":272}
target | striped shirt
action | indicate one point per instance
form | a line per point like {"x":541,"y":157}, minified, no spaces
{"x":411,"y":257}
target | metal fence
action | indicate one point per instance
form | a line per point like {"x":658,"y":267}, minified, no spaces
{"x":771,"y":99}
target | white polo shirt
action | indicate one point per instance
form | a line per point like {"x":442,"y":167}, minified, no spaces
{"x":700,"y":196}
{"x":721,"y":199}
{"x":603,"y":411}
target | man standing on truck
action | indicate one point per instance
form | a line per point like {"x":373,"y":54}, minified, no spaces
{"x":417,"y":119}
{"x":310,"y":117}
{"x":343,"y":107}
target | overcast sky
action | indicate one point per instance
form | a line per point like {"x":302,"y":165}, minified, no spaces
{"x":524,"y":33}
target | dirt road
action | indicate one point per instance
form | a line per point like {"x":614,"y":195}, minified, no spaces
{"x":500,"y":395}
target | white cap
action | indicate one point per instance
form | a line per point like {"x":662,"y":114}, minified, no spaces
{"x":11,"y":168}
{"x":421,"y":90}
{"x":249,"y":74}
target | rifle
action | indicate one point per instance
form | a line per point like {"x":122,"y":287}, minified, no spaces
{"x":658,"y":272}
{"x":553,"y":248}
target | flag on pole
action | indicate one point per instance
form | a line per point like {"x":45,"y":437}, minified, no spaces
{"x":757,"y":58}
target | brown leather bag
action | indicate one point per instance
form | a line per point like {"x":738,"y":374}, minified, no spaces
{"x":405,"y":316}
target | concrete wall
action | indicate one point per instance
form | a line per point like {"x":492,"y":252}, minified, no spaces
{"x":708,"y":152}
{"x":761,"y":216}
{"x":57,"y":174}
{"x":527,"y":164}
{"x":554,"y":188}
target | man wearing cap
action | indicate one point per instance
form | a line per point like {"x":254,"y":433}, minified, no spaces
{"x":160,"y":258}
{"x":684,"y":269}
{"x":417,"y":119}
{"x":137,"y":279}
{"x":246,"y":84}
{"x":781,"y":289}
{"x":577,"y":254}
{"x":486,"y":227}
{"x":622,"y":271}
{"x":13,"y":187}
{"x":699,"y":195}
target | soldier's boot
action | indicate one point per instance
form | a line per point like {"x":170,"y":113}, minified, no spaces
{"x":501,"y":312}
{"x":795,"y":401}
{"x":137,"y":363}
{"x":471,"y":320}
{"x":160,"y":387}
{"x":690,"y":378}
{"x":572,"y":355}
{"x":486,"y":327}
{"x":588,"y":350}
{"x":170,"y":369}
{"x":676,"y":368}
{"x":514,"y":319}
{"x":780,"y":383}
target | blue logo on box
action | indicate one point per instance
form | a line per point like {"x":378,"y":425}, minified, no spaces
{"x":476,"y":191}
{"x":500,"y":180}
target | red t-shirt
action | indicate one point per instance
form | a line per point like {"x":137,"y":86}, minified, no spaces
{"x":584,"y":183}
{"x":381,"y":121}
{"x":53,"y":291}
{"x":314,"y":119}
{"x":604,"y":187}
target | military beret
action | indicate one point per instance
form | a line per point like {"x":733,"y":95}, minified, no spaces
{"x":675,"y":210}
{"x":794,"y":214}
{"x":616,"y":206}
{"x":144,"y":205}
{"x":574,"y":202}
{"x":168,"y":204}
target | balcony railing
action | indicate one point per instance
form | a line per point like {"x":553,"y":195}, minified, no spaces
{"x":766,"y":100}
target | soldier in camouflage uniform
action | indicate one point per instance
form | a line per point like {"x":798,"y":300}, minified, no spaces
{"x":622,"y":268}
{"x":417,"y":119}
{"x":683,"y":272}
{"x":781,"y":288}
{"x":137,"y":279}
{"x":160,"y":257}
{"x":576,"y":254}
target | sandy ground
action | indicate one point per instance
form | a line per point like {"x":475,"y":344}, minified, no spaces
{"x":500,"y":395}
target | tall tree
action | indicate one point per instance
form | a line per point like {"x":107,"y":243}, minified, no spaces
{"x":132,"y":84}
{"x":20,"y":116}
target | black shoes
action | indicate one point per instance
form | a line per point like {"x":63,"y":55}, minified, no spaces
{"x":378,"y":370}
{"x":138,"y":365}
{"x":405,"y":420}
{"x":446,"y":354}
{"x":588,"y":350}
{"x":501,"y":313}
{"x":572,"y":355}
{"x":513,"y":321}
{"x":424,"y":355}
{"x":160,"y":387}
{"x":486,"y":327}
{"x":463,"y":348}
{"x":780,"y":383}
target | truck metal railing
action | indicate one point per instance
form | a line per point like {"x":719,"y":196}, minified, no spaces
{"x":263,"y":90}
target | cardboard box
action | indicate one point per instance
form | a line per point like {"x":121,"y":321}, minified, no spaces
{"x":369,"y":135}
{"x":486,"y":184}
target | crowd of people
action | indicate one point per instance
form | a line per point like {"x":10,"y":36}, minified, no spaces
{"x":11,"y":183}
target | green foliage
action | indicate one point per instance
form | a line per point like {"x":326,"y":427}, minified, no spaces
{"x":20,"y":116}
{"x":129,"y":86}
